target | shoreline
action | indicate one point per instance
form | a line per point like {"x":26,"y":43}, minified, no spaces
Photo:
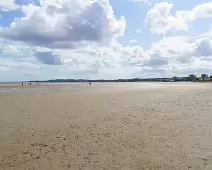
{"x":74,"y":87}
{"x":84,"y":86}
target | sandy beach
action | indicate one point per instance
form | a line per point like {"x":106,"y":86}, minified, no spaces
{"x":114,"y":128}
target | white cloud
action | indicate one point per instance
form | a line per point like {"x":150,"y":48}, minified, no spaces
{"x":65,"y":23}
{"x":132,"y":41}
{"x":163,"y":59}
{"x":138,"y":30}
{"x":8,"y":5}
{"x":17,"y":51}
{"x":203,"y":10}
{"x":186,"y":51}
{"x":92,"y":59}
{"x":143,"y":1}
{"x":166,"y":47}
{"x":160,"y":20}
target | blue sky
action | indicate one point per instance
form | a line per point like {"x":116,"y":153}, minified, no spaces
{"x":45,"y":39}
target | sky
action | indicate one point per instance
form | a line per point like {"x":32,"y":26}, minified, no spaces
{"x":104,"y":39}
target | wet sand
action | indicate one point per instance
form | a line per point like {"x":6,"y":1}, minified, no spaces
{"x":166,"y":127}
{"x":34,"y":85}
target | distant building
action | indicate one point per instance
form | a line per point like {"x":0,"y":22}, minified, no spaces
{"x":192,"y":76}
{"x":176,"y":78}
{"x":204,"y":76}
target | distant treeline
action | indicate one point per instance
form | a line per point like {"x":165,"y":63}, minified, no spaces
{"x":174,"y":79}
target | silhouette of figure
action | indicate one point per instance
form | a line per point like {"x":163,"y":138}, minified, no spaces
{"x":22,"y":84}
{"x":90,"y":83}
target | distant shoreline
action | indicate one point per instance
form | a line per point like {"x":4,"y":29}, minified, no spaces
{"x":181,"y":79}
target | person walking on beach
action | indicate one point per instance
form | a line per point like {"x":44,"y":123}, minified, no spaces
{"x":90,"y":83}
{"x":22,"y":84}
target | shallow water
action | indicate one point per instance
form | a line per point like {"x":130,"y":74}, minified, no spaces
{"x":42,"y":89}
{"x":77,"y":88}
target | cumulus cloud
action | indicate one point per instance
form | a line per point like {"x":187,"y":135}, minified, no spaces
{"x":8,"y":5}
{"x":160,"y":20}
{"x":149,"y":2}
{"x":16,"y":52}
{"x":132,"y":41}
{"x":171,"y":46}
{"x":138,"y":30}
{"x":186,"y":50}
{"x":63,"y":23}
{"x":105,"y":57}
{"x":95,"y":60}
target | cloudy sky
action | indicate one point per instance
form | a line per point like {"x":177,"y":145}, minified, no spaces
{"x":95,"y":39}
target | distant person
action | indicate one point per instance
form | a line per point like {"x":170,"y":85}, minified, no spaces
{"x":22,"y":84}
{"x":90,"y":83}
{"x":37,"y":84}
{"x":30,"y":84}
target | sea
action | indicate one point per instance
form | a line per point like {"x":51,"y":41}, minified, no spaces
{"x":70,"y":86}
{"x":60,"y":87}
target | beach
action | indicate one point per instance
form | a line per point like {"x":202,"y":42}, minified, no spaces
{"x":157,"y":127}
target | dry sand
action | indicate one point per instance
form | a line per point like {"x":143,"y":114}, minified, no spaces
{"x":167,"y":127}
